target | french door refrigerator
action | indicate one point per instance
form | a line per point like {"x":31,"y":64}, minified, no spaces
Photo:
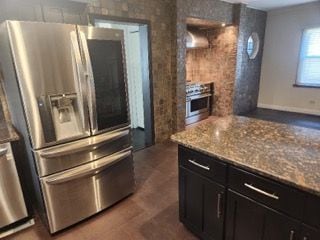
{"x":67,"y":95}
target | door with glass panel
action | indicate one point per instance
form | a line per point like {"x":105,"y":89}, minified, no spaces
{"x":103,"y":57}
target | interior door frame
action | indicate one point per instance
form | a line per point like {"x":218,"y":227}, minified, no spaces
{"x":149,"y":104}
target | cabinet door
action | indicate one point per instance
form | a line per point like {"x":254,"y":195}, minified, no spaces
{"x":201,"y":205}
{"x":309,"y":233}
{"x":280,"y":227}
{"x":249,"y":220}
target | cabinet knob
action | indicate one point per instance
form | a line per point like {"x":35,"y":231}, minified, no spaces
{"x":305,"y":238}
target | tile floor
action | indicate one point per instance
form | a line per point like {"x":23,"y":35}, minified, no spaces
{"x":138,"y":139}
{"x":151,"y":213}
{"x":297,"y":119}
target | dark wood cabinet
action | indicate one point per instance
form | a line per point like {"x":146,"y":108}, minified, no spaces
{"x":268,"y":192}
{"x":204,"y":165}
{"x":221,"y":201}
{"x":312,"y":211}
{"x":247,"y":219}
{"x":201,"y":205}
{"x":309,"y":233}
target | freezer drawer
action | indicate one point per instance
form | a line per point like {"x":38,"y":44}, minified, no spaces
{"x":12,"y":206}
{"x":78,"y":193}
{"x":65,"y":156}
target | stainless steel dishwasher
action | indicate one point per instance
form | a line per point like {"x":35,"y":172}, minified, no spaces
{"x":12,"y":204}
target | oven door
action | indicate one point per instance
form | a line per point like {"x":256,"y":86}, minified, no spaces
{"x":198,"y":104}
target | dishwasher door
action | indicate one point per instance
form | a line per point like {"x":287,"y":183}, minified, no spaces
{"x":12,"y":205}
{"x":75,"y":194}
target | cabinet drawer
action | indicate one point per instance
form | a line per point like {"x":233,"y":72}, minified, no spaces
{"x":202,"y":164}
{"x":312,"y":212}
{"x":267,"y":192}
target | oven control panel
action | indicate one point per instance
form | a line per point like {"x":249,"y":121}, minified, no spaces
{"x":196,"y":89}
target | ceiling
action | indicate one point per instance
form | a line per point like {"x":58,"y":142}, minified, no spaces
{"x":270,"y":4}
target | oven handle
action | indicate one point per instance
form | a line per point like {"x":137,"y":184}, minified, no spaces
{"x":198,"y":97}
{"x":81,"y":146}
{"x":88,"y":169}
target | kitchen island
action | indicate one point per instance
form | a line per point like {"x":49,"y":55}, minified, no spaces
{"x":242,"y":178}
{"x":7,"y":133}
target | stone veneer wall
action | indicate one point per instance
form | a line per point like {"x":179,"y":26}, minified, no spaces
{"x":214,"y":10}
{"x":160,"y":14}
{"x":216,"y":64}
{"x":248,"y":71}
{"x":245,"y":85}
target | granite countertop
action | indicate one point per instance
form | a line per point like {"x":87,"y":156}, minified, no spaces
{"x":7,"y":133}
{"x":285,"y":153}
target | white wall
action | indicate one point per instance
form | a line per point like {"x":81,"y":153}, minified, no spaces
{"x":135,"y":76}
{"x":280,"y":60}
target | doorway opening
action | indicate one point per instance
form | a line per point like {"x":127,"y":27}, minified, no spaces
{"x":139,"y":79}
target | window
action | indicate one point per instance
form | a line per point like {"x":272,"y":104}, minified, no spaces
{"x":309,"y":64}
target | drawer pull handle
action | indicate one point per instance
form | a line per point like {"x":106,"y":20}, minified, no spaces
{"x":305,"y":238}
{"x":292,"y":235}
{"x":270,"y":195}
{"x":219,"y":206}
{"x":199,"y":165}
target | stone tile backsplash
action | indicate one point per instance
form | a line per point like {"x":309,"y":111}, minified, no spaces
{"x":216,"y":64}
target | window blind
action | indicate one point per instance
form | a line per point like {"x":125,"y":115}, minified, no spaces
{"x":309,"y":64}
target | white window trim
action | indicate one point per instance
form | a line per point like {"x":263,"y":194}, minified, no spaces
{"x":297,"y":82}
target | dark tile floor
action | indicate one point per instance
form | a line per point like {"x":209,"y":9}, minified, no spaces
{"x":297,"y":119}
{"x":151,"y":213}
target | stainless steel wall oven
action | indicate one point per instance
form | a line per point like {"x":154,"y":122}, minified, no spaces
{"x":198,"y":102}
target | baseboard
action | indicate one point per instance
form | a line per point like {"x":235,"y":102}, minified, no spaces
{"x":290,"y":109}
{"x":17,"y":228}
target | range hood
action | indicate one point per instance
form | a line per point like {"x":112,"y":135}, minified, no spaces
{"x":196,"y":39}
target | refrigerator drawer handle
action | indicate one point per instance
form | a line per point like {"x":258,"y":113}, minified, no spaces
{"x":88,"y":169}
{"x":96,"y":142}
{"x":3,"y":151}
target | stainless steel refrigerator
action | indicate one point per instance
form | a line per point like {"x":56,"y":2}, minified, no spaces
{"x":67,"y":94}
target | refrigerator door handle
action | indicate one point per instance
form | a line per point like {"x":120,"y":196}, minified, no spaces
{"x":89,"y":81}
{"x":88,"y":169}
{"x":87,"y":144}
{"x":79,"y":72}
{"x":3,"y":151}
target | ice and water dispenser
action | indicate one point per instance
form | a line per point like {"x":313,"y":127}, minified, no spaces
{"x":60,"y":116}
